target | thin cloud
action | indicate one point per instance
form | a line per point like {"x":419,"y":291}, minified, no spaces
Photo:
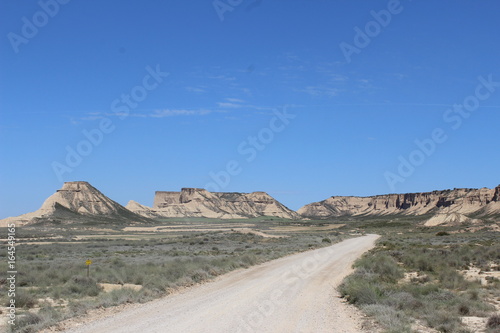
{"x":320,"y":91}
{"x":221,"y":77}
{"x":338,"y":77}
{"x":235,"y":100}
{"x":195,"y":89}
{"x":163,"y":113}
{"x":229,"y":105}
{"x":172,"y":113}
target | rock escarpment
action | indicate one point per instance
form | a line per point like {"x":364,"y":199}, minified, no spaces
{"x":479,"y":202}
{"x":194,"y":202}
{"x":77,"y":201}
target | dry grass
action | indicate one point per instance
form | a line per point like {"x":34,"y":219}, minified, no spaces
{"x":412,"y":277}
{"x":52,"y":283}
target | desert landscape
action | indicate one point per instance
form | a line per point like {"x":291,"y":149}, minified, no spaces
{"x":424,"y":262}
{"x":249,"y":166}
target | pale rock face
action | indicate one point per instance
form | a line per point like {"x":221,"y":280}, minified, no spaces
{"x":194,"y":202}
{"x":75,"y":200}
{"x":139,"y":209}
{"x":448,"y":220}
{"x":461,"y":201}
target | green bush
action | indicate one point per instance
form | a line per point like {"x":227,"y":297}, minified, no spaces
{"x":27,"y":322}
{"x":24,"y":299}
{"x":392,"y":320}
{"x":123,"y":295}
{"x":81,"y":286}
{"x":402,"y":301}
{"x":439,"y":296}
{"x":382,"y":265}
{"x":358,"y":291}
{"x":443,"y":321}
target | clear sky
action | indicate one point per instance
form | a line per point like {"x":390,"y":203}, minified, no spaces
{"x":301,"y":99}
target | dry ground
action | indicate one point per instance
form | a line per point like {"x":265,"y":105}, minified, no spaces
{"x":291,"y":294}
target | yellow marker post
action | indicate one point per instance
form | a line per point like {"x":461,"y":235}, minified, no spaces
{"x":88,"y":262}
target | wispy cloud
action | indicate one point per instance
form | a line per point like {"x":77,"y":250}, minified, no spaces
{"x":320,"y":91}
{"x":337,"y":77}
{"x":195,"y":89}
{"x":232,"y":103}
{"x":163,"y":113}
{"x":221,"y":77}
{"x":235,"y":100}
{"x":172,"y":113}
{"x":89,"y":117}
{"x":227,"y":105}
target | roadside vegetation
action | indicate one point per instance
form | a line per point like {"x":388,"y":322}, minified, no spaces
{"x":415,"y":277}
{"x":52,"y":282}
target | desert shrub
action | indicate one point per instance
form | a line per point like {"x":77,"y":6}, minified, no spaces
{"x":82,"y":286}
{"x":440,"y":295}
{"x":451,"y":279}
{"x":493,"y":323}
{"x":443,"y":321}
{"x":123,"y":295}
{"x":402,"y":301}
{"x":464,"y":309}
{"x":418,"y":261}
{"x":49,"y":314}
{"x":392,"y":320}
{"x":27,"y":322}
{"x":78,"y":308}
{"x":418,"y":290}
{"x":24,"y":299}
{"x":384,"y":266}
{"x":200,"y":275}
{"x":33,"y":322}
{"x":473,"y":294}
{"x":358,"y":291}
{"x":442,"y":233}
{"x":185,"y":281}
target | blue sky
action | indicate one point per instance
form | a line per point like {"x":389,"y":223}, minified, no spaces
{"x":287,"y":97}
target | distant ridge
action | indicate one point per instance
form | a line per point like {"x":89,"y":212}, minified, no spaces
{"x":466,"y":202}
{"x":76,"y":201}
{"x":81,"y":202}
{"x":196,"y":202}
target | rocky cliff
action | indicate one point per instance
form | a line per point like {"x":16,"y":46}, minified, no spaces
{"x":479,"y":202}
{"x":76,"y":201}
{"x":194,"y":202}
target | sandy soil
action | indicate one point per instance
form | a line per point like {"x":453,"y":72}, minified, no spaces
{"x":215,"y":227}
{"x":291,"y":294}
{"x":258,"y":233}
{"x":474,"y":273}
{"x":113,"y":286}
{"x":186,"y":226}
{"x":308,"y":228}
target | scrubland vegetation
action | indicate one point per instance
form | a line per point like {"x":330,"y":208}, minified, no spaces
{"x":52,"y":282}
{"x":415,"y":277}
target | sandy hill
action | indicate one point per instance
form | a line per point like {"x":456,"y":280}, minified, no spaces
{"x":449,"y":220}
{"x":464,"y":202}
{"x":195,"y":202}
{"x":76,"y":201}
{"x":79,"y":201}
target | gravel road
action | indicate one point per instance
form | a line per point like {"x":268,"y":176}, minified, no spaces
{"x":291,"y":294}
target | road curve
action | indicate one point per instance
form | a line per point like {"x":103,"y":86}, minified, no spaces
{"x":291,"y":294}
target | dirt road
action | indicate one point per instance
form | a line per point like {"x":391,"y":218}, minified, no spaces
{"x":291,"y":294}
